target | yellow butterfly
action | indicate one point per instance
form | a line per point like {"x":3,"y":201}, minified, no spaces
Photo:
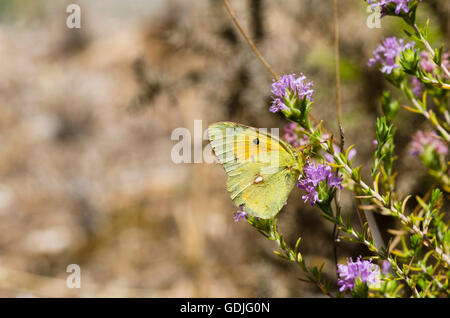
{"x":261,"y":169}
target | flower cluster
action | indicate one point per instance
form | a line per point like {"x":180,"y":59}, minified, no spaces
{"x":366,"y":271}
{"x":388,"y":52}
{"x":290,"y":89}
{"x":313,"y":176}
{"x":329,"y":158}
{"x":428,"y":65}
{"x":400,"y":5}
{"x":291,"y":135}
{"x":429,"y":140}
{"x":417,"y":87}
{"x":446,"y":60}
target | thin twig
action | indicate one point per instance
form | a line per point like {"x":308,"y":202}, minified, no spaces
{"x":437,"y":84}
{"x":425,"y":114}
{"x":337,"y":61}
{"x":249,"y":40}
{"x":398,"y":270}
{"x":337,"y":200}
{"x":290,"y":254}
{"x":403,"y":218}
{"x":425,"y":198}
{"x":258,"y":54}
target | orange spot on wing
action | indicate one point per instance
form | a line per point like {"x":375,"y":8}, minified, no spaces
{"x":248,"y":145}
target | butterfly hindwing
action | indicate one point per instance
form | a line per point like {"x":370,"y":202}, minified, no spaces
{"x":263,"y":192}
{"x":261,"y":169}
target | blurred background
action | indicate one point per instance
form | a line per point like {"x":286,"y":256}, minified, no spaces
{"x":86,"y":117}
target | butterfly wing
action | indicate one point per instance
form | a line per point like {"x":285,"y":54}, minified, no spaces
{"x":261,"y":169}
{"x":263,"y":199}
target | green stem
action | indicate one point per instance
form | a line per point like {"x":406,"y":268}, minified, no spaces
{"x":383,"y":255}
{"x":430,"y":49}
{"x":393,"y":211}
{"x":424,"y":113}
{"x":292,"y":256}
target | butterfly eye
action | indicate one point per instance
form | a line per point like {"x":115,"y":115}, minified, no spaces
{"x":256,"y":141}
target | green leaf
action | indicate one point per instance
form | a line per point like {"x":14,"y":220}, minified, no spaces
{"x":361,"y":290}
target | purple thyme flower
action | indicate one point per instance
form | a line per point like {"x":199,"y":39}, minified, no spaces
{"x":400,"y":5}
{"x":365,"y":270}
{"x":446,"y":60}
{"x":277,"y":105}
{"x":316,"y":174}
{"x":388,"y":52}
{"x":312,"y":176}
{"x":287,"y":89}
{"x":375,"y":143}
{"x":337,"y":150}
{"x":311,"y":194}
{"x":422,"y":140}
{"x":334,"y":181}
{"x":385,"y":267}
{"x":240,"y":214}
{"x":291,"y":135}
{"x":427,"y":64}
{"x":417,"y":87}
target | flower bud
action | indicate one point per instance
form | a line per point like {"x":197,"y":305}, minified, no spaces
{"x":409,"y":60}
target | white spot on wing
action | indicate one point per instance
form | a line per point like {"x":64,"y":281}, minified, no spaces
{"x":258,"y":179}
